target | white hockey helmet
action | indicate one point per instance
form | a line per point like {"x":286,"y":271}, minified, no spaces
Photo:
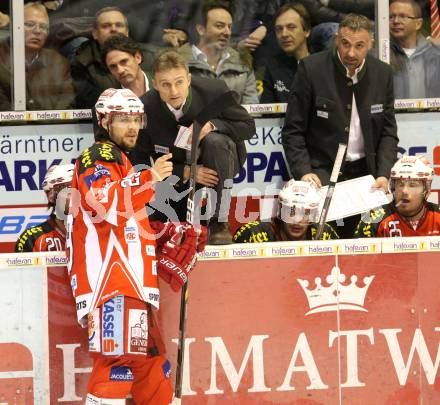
{"x":298,"y":199}
{"x":412,"y":168}
{"x":56,"y":178}
{"x":118,"y":101}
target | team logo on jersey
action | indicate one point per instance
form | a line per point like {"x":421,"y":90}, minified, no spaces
{"x":100,"y":171}
{"x":113,"y":326}
{"x":121,"y":373}
{"x":138,"y":324}
{"x":130,"y":234}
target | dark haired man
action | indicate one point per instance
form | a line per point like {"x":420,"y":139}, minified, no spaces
{"x":292,"y":28}
{"x":123,"y":58}
{"x":213,"y":57}
{"x":89,"y":72}
{"x":177,"y":98}
{"x":116,"y":255}
{"x":342,"y":95}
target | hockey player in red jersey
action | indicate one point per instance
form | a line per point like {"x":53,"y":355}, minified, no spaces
{"x":113,"y":265}
{"x":410,"y":214}
{"x":50,"y":235}
{"x":298,"y":211}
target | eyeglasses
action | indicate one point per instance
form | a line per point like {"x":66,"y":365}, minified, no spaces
{"x":31,"y":25}
{"x":401,"y":17}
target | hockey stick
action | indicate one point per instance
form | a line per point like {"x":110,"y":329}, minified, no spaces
{"x":212,"y":109}
{"x":331,"y":188}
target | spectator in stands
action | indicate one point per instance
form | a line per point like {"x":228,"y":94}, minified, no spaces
{"x":292,"y":28}
{"x":327,"y":14}
{"x":343,"y":7}
{"x":298,"y":213}
{"x":123,"y":58}
{"x":176,"y":100}
{"x":415,"y":61}
{"x":213,"y":57}
{"x":342,"y":95}
{"x":51,"y":234}
{"x":410,"y":214}
{"x":50,"y":5}
{"x":48,"y":81}
{"x":4,"y":14}
{"x":90,"y":74}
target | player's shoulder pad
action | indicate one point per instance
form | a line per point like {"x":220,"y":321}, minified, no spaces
{"x":253,"y":232}
{"x":367,"y":226}
{"x":377,"y":214}
{"x":327,"y":234}
{"x":330,"y":231}
{"x":103,"y":152}
{"x":433,"y":207}
{"x":25,"y":242}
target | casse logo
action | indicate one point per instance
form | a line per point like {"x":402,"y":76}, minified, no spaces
{"x":112,"y":326}
{"x":108,"y":326}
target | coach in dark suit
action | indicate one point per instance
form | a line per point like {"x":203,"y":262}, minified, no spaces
{"x":342,"y":95}
{"x":176,"y":100}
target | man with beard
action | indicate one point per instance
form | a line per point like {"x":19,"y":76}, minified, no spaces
{"x":89,"y":71}
{"x":123,"y":58}
{"x":115,"y":258}
{"x":343,"y":95}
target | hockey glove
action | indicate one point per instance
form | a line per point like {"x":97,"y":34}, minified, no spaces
{"x":165,"y":231}
{"x":177,"y":258}
{"x":202,"y":238}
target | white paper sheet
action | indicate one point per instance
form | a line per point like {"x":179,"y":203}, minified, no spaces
{"x":353,"y":197}
{"x":183,"y":138}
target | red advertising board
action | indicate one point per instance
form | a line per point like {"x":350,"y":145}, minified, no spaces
{"x":309,"y":330}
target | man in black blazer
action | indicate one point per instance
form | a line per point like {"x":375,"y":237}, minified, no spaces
{"x":342,"y":95}
{"x":176,"y":100}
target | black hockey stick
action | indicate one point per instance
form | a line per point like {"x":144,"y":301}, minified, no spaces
{"x":208,"y":112}
{"x":331,"y":188}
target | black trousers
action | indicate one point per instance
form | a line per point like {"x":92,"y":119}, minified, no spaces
{"x":218,"y":152}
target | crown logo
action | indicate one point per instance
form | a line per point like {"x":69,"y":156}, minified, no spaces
{"x":336,"y":295}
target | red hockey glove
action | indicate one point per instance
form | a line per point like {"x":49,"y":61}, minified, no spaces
{"x":177,"y":258}
{"x":202,"y":238}
{"x":164,"y":231}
